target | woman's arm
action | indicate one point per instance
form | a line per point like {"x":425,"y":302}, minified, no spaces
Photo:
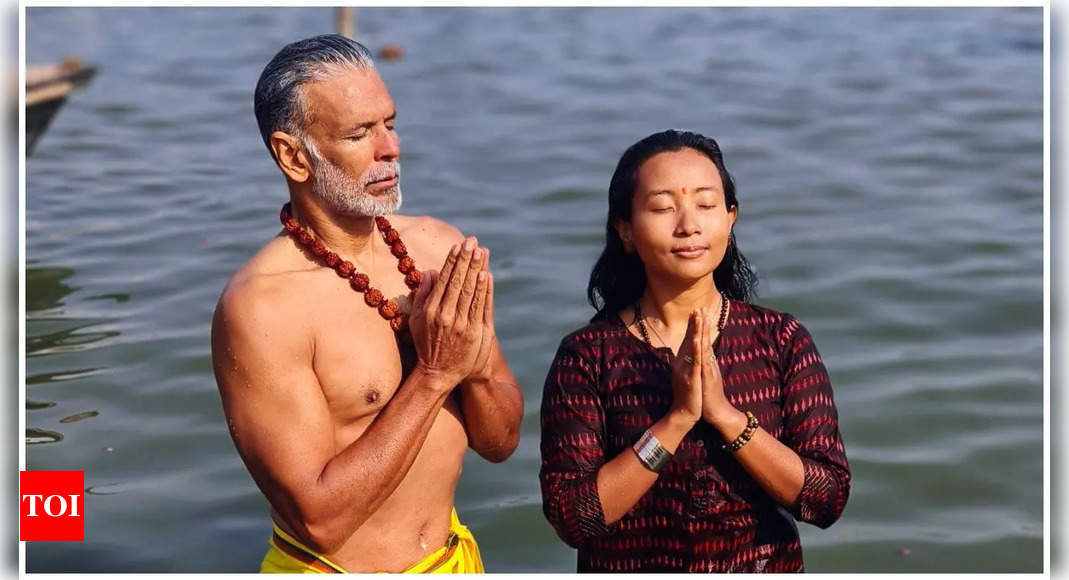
{"x":572,"y":450}
{"x":807,"y":472}
{"x":582,"y":493}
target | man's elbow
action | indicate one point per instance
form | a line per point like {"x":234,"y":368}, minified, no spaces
{"x":499,"y":451}
{"x":324,"y":537}
{"x":323,"y":530}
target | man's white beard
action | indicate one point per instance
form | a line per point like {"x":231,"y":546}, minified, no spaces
{"x":349,"y":196}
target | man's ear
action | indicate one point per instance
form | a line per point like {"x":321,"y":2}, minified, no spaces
{"x":623,"y":229}
{"x":289,"y":155}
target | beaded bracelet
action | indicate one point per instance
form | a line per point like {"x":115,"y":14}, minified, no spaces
{"x":744,"y":438}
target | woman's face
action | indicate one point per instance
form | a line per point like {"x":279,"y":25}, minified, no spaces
{"x":679,"y":221}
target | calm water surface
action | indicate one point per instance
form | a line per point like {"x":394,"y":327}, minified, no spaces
{"x":889,"y":164}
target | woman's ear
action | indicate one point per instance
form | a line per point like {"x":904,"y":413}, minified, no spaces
{"x":290,"y":157}
{"x":733,"y":214}
{"x":623,"y":229}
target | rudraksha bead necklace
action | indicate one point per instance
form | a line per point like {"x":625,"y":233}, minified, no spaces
{"x":359,"y":281}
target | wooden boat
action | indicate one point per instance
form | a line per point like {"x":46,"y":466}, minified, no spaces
{"x":47,"y":88}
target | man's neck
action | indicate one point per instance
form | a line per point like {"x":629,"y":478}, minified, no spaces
{"x":351,"y":237}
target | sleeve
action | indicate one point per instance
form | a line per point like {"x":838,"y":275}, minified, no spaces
{"x":811,"y":428}
{"x":572,"y":451}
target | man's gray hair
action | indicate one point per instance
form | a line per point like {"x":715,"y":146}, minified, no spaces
{"x":279,"y":98}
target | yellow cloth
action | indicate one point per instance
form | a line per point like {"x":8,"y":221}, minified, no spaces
{"x":459,"y":555}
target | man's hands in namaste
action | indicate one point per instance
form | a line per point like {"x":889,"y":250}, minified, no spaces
{"x":452,"y":319}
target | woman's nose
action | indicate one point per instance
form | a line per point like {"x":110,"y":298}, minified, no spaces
{"x":688,"y":222}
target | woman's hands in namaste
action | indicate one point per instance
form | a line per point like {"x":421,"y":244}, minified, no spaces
{"x":697,"y":385}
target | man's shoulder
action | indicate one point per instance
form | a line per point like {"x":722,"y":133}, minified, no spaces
{"x":257,"y":296}
{"x":427,"y":238}
{"x":426,"y":229}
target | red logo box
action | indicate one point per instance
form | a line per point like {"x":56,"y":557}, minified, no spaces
{"x":51,"y":506}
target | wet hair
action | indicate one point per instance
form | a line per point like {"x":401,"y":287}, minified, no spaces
{"x":279,"y":99}
{"x":618,"y":279}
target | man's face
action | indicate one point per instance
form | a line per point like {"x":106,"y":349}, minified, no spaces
{"x":353,"y":148}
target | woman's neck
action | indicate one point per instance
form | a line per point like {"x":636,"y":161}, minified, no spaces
{"x":672,"y":303}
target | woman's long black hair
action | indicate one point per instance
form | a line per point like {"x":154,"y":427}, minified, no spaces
{"x":618,"y":278}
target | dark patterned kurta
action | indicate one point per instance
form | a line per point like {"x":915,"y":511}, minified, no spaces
{"x":704,"y":512}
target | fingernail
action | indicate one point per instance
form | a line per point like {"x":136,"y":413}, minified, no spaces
{"x":478,"y":254}
{"x":482,"y":276}
{"x":455,"y":250}
{"x":468,"y":244}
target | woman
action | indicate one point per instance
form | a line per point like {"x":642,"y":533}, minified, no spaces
{"x":685,"y":429}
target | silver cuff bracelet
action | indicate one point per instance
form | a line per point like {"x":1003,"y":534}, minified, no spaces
{"x":651,"y":453}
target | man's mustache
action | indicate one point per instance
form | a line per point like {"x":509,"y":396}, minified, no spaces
{"x":383,"y":171}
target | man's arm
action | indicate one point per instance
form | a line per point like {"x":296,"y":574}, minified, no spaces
{"x":280,"y":422}
{"x":490,"y":398}
{"x":493,"y":408}
{"x":281,"y":426}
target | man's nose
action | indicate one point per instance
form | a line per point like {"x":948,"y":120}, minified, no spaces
{"x":388,"y":147}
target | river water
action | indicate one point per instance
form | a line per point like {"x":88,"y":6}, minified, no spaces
{"x":890,"y":173}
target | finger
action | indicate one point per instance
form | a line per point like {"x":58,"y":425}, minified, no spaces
{"x":443,"y":278}
{"x":468,"y":293}
{"x":456,"y":278}
{"x":695,"y":345}
{"x":691,"y":323}
{"x":426,"y":285}
{"x":488,"y":308}
{"x":478,"y":302}
{"x":705,"y":344}
{"x":714,"y":364}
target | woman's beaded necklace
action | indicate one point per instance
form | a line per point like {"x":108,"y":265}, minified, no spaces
{"x":388,"y":308}
{"x":646,"y":335}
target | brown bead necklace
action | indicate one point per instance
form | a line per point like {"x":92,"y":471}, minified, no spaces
{"x":359,"y":281}
{"x":646,"y":335}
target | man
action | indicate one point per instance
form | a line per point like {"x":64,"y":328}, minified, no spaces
{"x":350,"y":401}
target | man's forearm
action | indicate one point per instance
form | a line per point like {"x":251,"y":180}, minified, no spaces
{"x":492,"y":409}
{"x":355,"y":483}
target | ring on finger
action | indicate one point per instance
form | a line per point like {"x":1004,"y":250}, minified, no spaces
{"x":689,"y":359}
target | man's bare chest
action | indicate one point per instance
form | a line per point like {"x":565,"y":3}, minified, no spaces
{"x":357,"y":358}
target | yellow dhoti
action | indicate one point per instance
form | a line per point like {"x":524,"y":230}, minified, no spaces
{"x":459,"y":555}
